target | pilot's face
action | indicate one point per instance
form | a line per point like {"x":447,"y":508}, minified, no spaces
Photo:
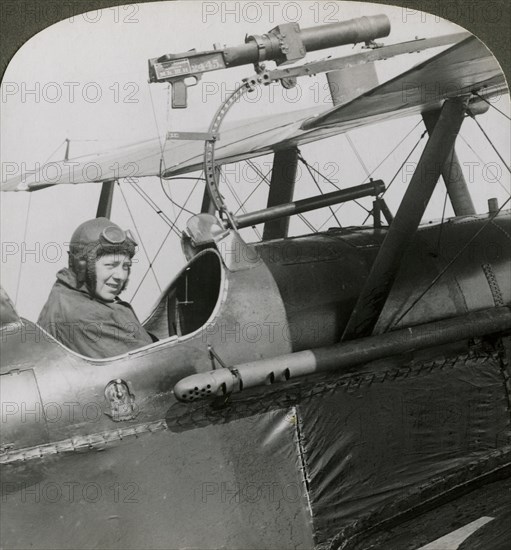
{"x":112,"y":272}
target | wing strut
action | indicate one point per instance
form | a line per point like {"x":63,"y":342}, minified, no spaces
{"x":452,"y":174}
{"x":282,"y":187}
{"x":383,"y":272}
{"x":105,"y":199}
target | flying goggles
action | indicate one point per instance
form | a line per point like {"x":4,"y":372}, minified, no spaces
{"x":115,"y":235}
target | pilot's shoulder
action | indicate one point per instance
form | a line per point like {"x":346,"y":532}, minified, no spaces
{"x":73,"y":303}
{"x":122,"y":304}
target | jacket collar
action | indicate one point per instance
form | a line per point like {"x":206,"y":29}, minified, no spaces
{"x":68,"y":278}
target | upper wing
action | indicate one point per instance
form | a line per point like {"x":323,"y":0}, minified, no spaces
{"x":463,"y":68}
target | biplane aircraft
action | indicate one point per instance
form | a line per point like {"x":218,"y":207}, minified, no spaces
{"x":380,"y":416}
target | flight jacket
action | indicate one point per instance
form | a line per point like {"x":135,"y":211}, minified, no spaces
{"x":89,"y":325}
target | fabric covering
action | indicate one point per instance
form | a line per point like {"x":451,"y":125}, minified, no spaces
{"x":91,"y":327}
{"x":379,"y":444}
{"x":375,"y":443}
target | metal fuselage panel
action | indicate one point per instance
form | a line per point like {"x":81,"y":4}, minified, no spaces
{"x":72,"y":388}
{"x":294,"y":294}
{"x":320,"y":276}
{"x":275,"y":468}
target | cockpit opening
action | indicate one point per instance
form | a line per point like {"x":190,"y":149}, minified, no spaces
{"x":190,"y":300}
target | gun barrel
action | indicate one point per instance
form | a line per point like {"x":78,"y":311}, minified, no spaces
{"x":306,"y":205}
{"x":342,"y":357}
{"x":268,"y":47}
{"x":361,"y":29}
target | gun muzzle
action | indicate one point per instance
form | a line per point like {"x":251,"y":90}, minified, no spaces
{"x":361,"y":29}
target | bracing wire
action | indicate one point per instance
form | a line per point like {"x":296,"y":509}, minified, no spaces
{"x":450,"y":263}
{"x":373,"y":171}
{"x":309,"y":167}
{"x":261,"y":180}
{"x":396,"y":147}
{"x":150,"y":202}
{"x":491,"y":143}
{"x":445,"y":202}
{"x":332,"y":183}
{"x":25,"y":229}
{"x":240,"y":204}
{"x":140,"y":238}
{"x":24,"y":240}
{"x":381,"y":163}
{"x":318,"y":186}
{"x":265,"y":179}
{"x":165,"y":239}
{"x":492,"y":105}
{"x":398,"y":171}
{"x":405,"y":161}
{"x":357,"y":154}
{"x":484,"y":164}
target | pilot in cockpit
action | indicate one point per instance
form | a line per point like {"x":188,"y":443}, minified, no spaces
{"x":83,"y":310}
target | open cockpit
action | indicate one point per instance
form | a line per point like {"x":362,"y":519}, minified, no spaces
{"x":190,"y":300}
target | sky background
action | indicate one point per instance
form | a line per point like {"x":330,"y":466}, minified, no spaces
{"x":85,"y":79}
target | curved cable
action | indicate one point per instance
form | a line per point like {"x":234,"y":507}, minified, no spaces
{"x":169,"y":197}
{"x":150,"y":202}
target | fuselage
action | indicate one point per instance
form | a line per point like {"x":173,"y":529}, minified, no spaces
{"x":245,"y":302}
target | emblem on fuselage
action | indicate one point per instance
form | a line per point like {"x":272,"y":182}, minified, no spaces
{"x":121,"y":401}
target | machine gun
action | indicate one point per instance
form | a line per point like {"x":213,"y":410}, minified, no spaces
{"x":284,"y":44}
